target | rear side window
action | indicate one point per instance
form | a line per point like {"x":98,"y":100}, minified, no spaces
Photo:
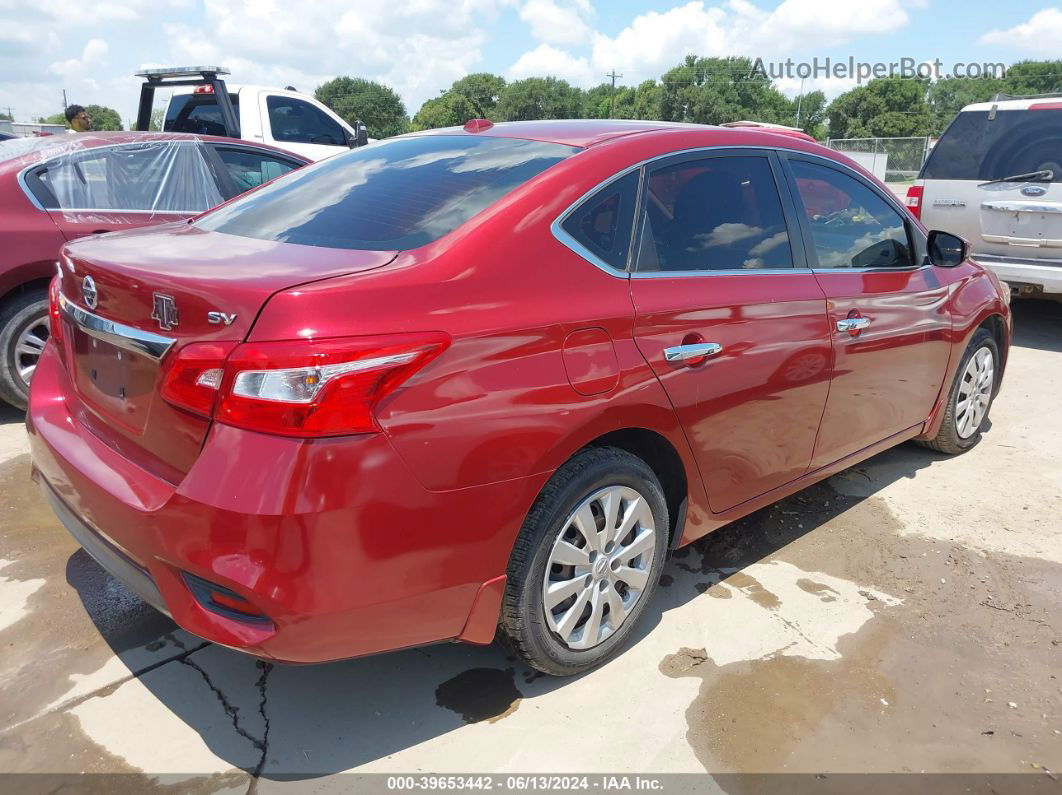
{"x":298,"y":122}
{"x":1015,"y":142}
{"x":851,"y":226}
{"x":197,"y":113}
{"x":395,"y":194}
{"x":602,"y":224}
{"x":716,"y":213}
{"x":161,"y":177}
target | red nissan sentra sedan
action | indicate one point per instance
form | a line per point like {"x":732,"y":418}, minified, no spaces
{"x":483,"y":379}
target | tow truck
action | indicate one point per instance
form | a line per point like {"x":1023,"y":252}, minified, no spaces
{"x":202,"y":103}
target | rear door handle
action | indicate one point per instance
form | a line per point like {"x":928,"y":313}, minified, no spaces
{"x":699,"y":350}
{"x":853,"y":324}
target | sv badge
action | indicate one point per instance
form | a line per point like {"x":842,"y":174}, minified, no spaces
{"x":220,"y":318}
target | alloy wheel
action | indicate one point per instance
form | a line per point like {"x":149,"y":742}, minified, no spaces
{"x":29,"y":346}
{"x":975,"y":393}
{"x":599,"y":566}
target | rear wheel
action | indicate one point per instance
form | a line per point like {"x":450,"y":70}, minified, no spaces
{"x":23,"y":334}
{"x":586,"y":562}
{"x":970,"y":397}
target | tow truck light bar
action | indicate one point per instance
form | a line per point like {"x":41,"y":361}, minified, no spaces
{"x":182,"y":71}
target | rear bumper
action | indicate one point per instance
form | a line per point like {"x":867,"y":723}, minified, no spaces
{"x":1045,"y":274}
{"x":333,"y":540}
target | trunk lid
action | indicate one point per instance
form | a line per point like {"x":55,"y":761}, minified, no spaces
{"x":161,"y":286}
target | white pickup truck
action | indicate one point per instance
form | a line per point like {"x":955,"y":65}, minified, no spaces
{"x":202,"y":103}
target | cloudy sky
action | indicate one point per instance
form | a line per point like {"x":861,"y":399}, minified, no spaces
{"x":92,"y":47}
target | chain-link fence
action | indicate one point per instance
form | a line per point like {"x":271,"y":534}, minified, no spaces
{"x":889,"y":159}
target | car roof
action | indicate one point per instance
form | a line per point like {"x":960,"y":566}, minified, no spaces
{"x":1052,"y":102}
{"x":589,"y":132}
{"x":46,"y":147}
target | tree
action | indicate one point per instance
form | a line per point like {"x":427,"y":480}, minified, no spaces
{"x":6,"y":117}
{"x":375,"y":104}
{"x":447,"y":110}
{"x":717,"y":90}
{"x":946,"y":97}
{"x":887,"y":107}
{"x":103,"y":118}
{"x":55,"y":118}
{"x":158,"y":119}
{"x":812,"y":117}
{"x":539,"y":98}
{"x":474,"y":96}
{"x":482,"y":90}
{"x":1033,"y":77}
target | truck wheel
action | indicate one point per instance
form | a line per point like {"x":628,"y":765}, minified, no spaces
{"x":586,"y":562}
{"x":23,"y":333}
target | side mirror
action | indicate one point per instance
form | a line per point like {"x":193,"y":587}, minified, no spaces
{"x":946,"y":250}
{"x":363,"y":134}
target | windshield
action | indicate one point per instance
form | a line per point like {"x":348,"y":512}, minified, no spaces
{"x":395,"y":194}
{"x":981,"y":148}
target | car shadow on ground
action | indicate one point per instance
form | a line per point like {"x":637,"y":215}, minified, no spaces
{"x":294,"y":722}
{"x":301,"y":722}
{"x":1038,"y":324}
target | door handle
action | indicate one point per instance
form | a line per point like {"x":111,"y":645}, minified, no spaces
{"x":699,"y":350}
{"x":851,"y":324}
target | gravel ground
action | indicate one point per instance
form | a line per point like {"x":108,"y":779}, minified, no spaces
{"x":905,"y":615}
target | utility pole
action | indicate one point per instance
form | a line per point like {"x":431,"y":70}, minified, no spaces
{"x":800,"y":101}
{"x":612,"y":94}
{"x":65,"y":106}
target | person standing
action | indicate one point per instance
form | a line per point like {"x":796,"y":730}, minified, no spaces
{"x":78,"y":119}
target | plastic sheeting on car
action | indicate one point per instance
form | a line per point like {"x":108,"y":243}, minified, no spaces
{"x":155,"y":177}
{"x":147,"y":176}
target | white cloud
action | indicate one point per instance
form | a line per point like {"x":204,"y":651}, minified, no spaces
{"x":657,"y":40}
{"x":76,"y":72}
{"x":1041,"y":34}
{"x":557,"y":22}
{"x":546,"y":60}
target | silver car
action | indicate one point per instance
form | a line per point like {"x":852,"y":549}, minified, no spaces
{"x":995,"y":178}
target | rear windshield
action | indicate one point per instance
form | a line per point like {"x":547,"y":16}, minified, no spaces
{"x":1014,"y":142}
{"x":197,"y":113}
{"x":395,"y":194}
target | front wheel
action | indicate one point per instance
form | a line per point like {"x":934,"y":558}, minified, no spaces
{"x":586,"y":562}
{"x":970,"y":397}
{"x":23,"y":334}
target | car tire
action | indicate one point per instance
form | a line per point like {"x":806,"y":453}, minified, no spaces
{"x":603,"y":574}
{"x":959,"y":431}
{"x":22,"y":318}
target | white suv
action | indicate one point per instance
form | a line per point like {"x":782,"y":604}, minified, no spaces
{"x":995,"y":178}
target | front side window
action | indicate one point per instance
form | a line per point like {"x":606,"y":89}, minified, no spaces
{"x":716,"y":213}
{"x":602,"y":224}
{"x":249,"y":169}
{"x":392,"y":195}
{"x":851,"y":225}
{"x":162,"y":176}
{"x":296,"y":121}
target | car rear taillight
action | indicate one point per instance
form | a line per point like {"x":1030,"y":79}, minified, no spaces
{"x":194,"y":376}
{"x":325,"y":387}
{"x":914,"y":200}
{"x":55,"y":319}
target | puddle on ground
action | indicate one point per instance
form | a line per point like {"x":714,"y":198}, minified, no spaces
{"x":480,"y":694}
{"x":748,"y":716}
